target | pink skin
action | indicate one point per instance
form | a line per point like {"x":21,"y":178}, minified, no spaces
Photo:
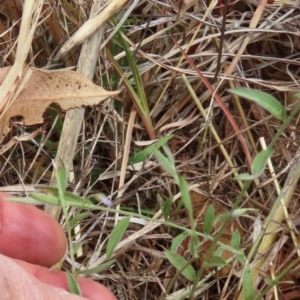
{"x":31,"y":242}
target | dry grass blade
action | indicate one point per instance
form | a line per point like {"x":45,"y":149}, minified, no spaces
{"x":30,"y":18}
{"x":74,"y":117}
{"x":99,"y":18}
{"x":256,"y":17}
{"x":224,"y":108}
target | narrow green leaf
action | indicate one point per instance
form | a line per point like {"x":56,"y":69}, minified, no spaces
{"x":116,"y":235}
{"x":186,"y":199}
{"x":215,"y":261}
{"x":235,"y":240}
{"x":169,"y":155}
{"x":246,"y":177}
{"x":248,"y":289}
{"x":257,"y":167}
{"x":178,"y":240}
{"x":181,"y":265}
{"x":209,"y":219}
{"x":45,"y":199}
{"x":167,"y":207}
{"x":101,"y":198}
{"x":74,"y":221}
{"x":138,"y":94}
{"x":97,"y":269}
{"x":73,"y":284}
{"x":194,"y":245}
{"x":267,"y":101}
{"x":242,"y":211}
{"x":28,"y":200}
{"x":142,"y":155}
{"x":62,"y":178}
{"x":241,"y":257}
{"x":260,"y":161}
{"x":70,"y":198}
{"x":166,"y":164}
{"x":39,"y":198}
{"x":218,"y":251}
{"x":222,"y":218}
{"x":49,"y":190}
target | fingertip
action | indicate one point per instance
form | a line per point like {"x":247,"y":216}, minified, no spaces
{"x":90,"y":289}
{"x":93,"y":290}
{"x":35,"y":236}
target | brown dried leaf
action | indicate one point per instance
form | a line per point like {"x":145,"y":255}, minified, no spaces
{"x":67,"y":88}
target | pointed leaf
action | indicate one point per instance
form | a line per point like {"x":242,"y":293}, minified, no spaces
{"x":70,"y":198}
{"x":215,"y":261}
{"x":209,"y":219}
{"x":166,"y":164}
{"x":267,"y":101}
{"x":241,"y":257}
{"x":45,"y":199}
{"x":260,"y":161}
{"x":194,"y":245}
{"x":235,"y":240}
{"x":167,"y":207}
{"x":142,"y":155}
{"x":242,"y":211}
{"x":179,"y":263}
{"x":222,"y":217}
{"x":246,"y":177}
{"x":28,"y":200}
{"x":178,"y":240}
{"x":73,"y":284}
{"x":116,"y":236}
{"x":74,"y":221}
{"x":186,"y":199}
{"x":62,"y":178}
{"x":248,"y":289}
{"x":97,"y":269}
{"x":257,"y":167}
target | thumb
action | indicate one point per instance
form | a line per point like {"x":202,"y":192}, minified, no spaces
{"x":16,"y":283}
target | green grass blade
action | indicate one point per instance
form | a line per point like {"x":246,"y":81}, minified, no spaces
{"x":186,"y":199}
{"x":260,"y":161}
{"x":209,"y":220}
{"x":248,"y":289}
{"x":167,"y":207}
{"x":166,"y":164}
{"x":116,"y":236}
{"x":258,"y":165}
{"x":73,"y":284}
{"x":267,"y":101}
{"x":235,"y":240}
{"x":215,"y":261}
{"x":45,"y":199}
{"x":97,"y":269}
{"x":178,"y":240}
{"x":142,"y":155}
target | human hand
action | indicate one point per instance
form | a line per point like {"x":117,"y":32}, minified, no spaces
{"x":31,"y":242}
